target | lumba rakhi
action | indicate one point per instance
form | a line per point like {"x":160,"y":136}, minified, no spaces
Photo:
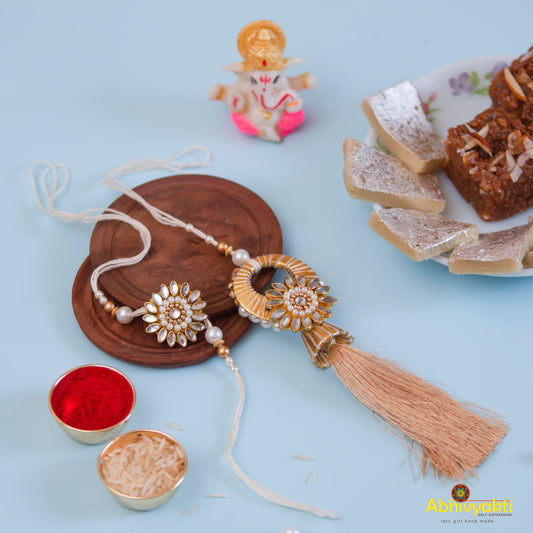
{"x":450,"y":437}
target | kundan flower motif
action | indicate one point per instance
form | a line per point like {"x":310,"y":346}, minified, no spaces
{"x":299,"y":305}
{"x":175,"y":314}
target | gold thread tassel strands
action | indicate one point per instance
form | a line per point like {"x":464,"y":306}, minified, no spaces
{"x":454,"y":437}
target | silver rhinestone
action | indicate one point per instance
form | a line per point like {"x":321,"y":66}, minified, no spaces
{"x":171,"y":339}
{"x":182,"y":340}
{"x":163,"y":290}
{"x":284,"y":322}
{"x":194,"y":296}
{"x":317,"y":317}
{"x":184,"y":289}
{"x":273,"y":293}
{"x":278,"y":313}
{"x":174,"y":288}
{"x":314,"y":283}
{"x":162,"y":335}
{"x":150,"y":307}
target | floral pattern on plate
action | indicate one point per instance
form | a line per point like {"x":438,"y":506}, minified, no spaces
{"x":472,"y":82}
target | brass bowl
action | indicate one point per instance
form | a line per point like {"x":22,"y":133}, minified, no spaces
{"x":89,"y":433}
{"x":142,"y":503}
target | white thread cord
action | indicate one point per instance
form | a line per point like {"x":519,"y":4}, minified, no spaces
{"x":259,"y":489}
{"x":89,"y":216}
{"x":112,"y":179}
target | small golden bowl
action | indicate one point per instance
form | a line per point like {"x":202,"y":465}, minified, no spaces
{"x":126,"y":452}
{"x":92,"y":403}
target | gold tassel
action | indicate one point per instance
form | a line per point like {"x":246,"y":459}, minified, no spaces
{"x":454,"y":437}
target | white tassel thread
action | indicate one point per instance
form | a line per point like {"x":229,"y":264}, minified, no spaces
{"x":259,"y":489}
{"x":112,"y":179}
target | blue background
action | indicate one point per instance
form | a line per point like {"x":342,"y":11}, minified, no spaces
{"x":99,"y":83}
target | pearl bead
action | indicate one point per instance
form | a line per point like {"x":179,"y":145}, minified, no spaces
{"x":124,"y":315}
{"x":210,"y":240}
{"x":254,"y":319}
{"x":243,"y":313}
{"x":213,"y":334}
{"x":265,"y":323}
{"x":291,"y":529}
{"x":240,"y":257}
{"x":188,"y":227}
{"x":102,"y":300}
{"x":98,"y":294}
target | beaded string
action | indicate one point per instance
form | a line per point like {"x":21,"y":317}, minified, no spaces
{"x":124,"y":314}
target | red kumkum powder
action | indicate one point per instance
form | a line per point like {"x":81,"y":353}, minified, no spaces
{"x":92,"y":398}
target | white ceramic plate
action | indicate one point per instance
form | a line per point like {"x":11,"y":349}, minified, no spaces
{"x":453,"y":95}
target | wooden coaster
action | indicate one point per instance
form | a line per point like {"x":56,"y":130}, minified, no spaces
{"x":219,"y":207}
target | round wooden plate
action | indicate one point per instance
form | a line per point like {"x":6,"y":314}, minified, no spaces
{"x":219,"y":207}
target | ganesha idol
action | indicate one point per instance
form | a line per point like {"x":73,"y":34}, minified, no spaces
{"x":264,"y":101}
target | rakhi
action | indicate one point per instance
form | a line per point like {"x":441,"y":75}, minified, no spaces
{"x":176,"y":312}
{"x":454,"y":437}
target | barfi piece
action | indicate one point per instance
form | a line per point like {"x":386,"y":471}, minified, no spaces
{"x":494,"y":253}
{"x":398,"y":119}
{"x":528,"y":259}
{"x":512,"y":88}
{"x":371,"y":175}
{"x":490,"y":162}
{"x":421,"y":235}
